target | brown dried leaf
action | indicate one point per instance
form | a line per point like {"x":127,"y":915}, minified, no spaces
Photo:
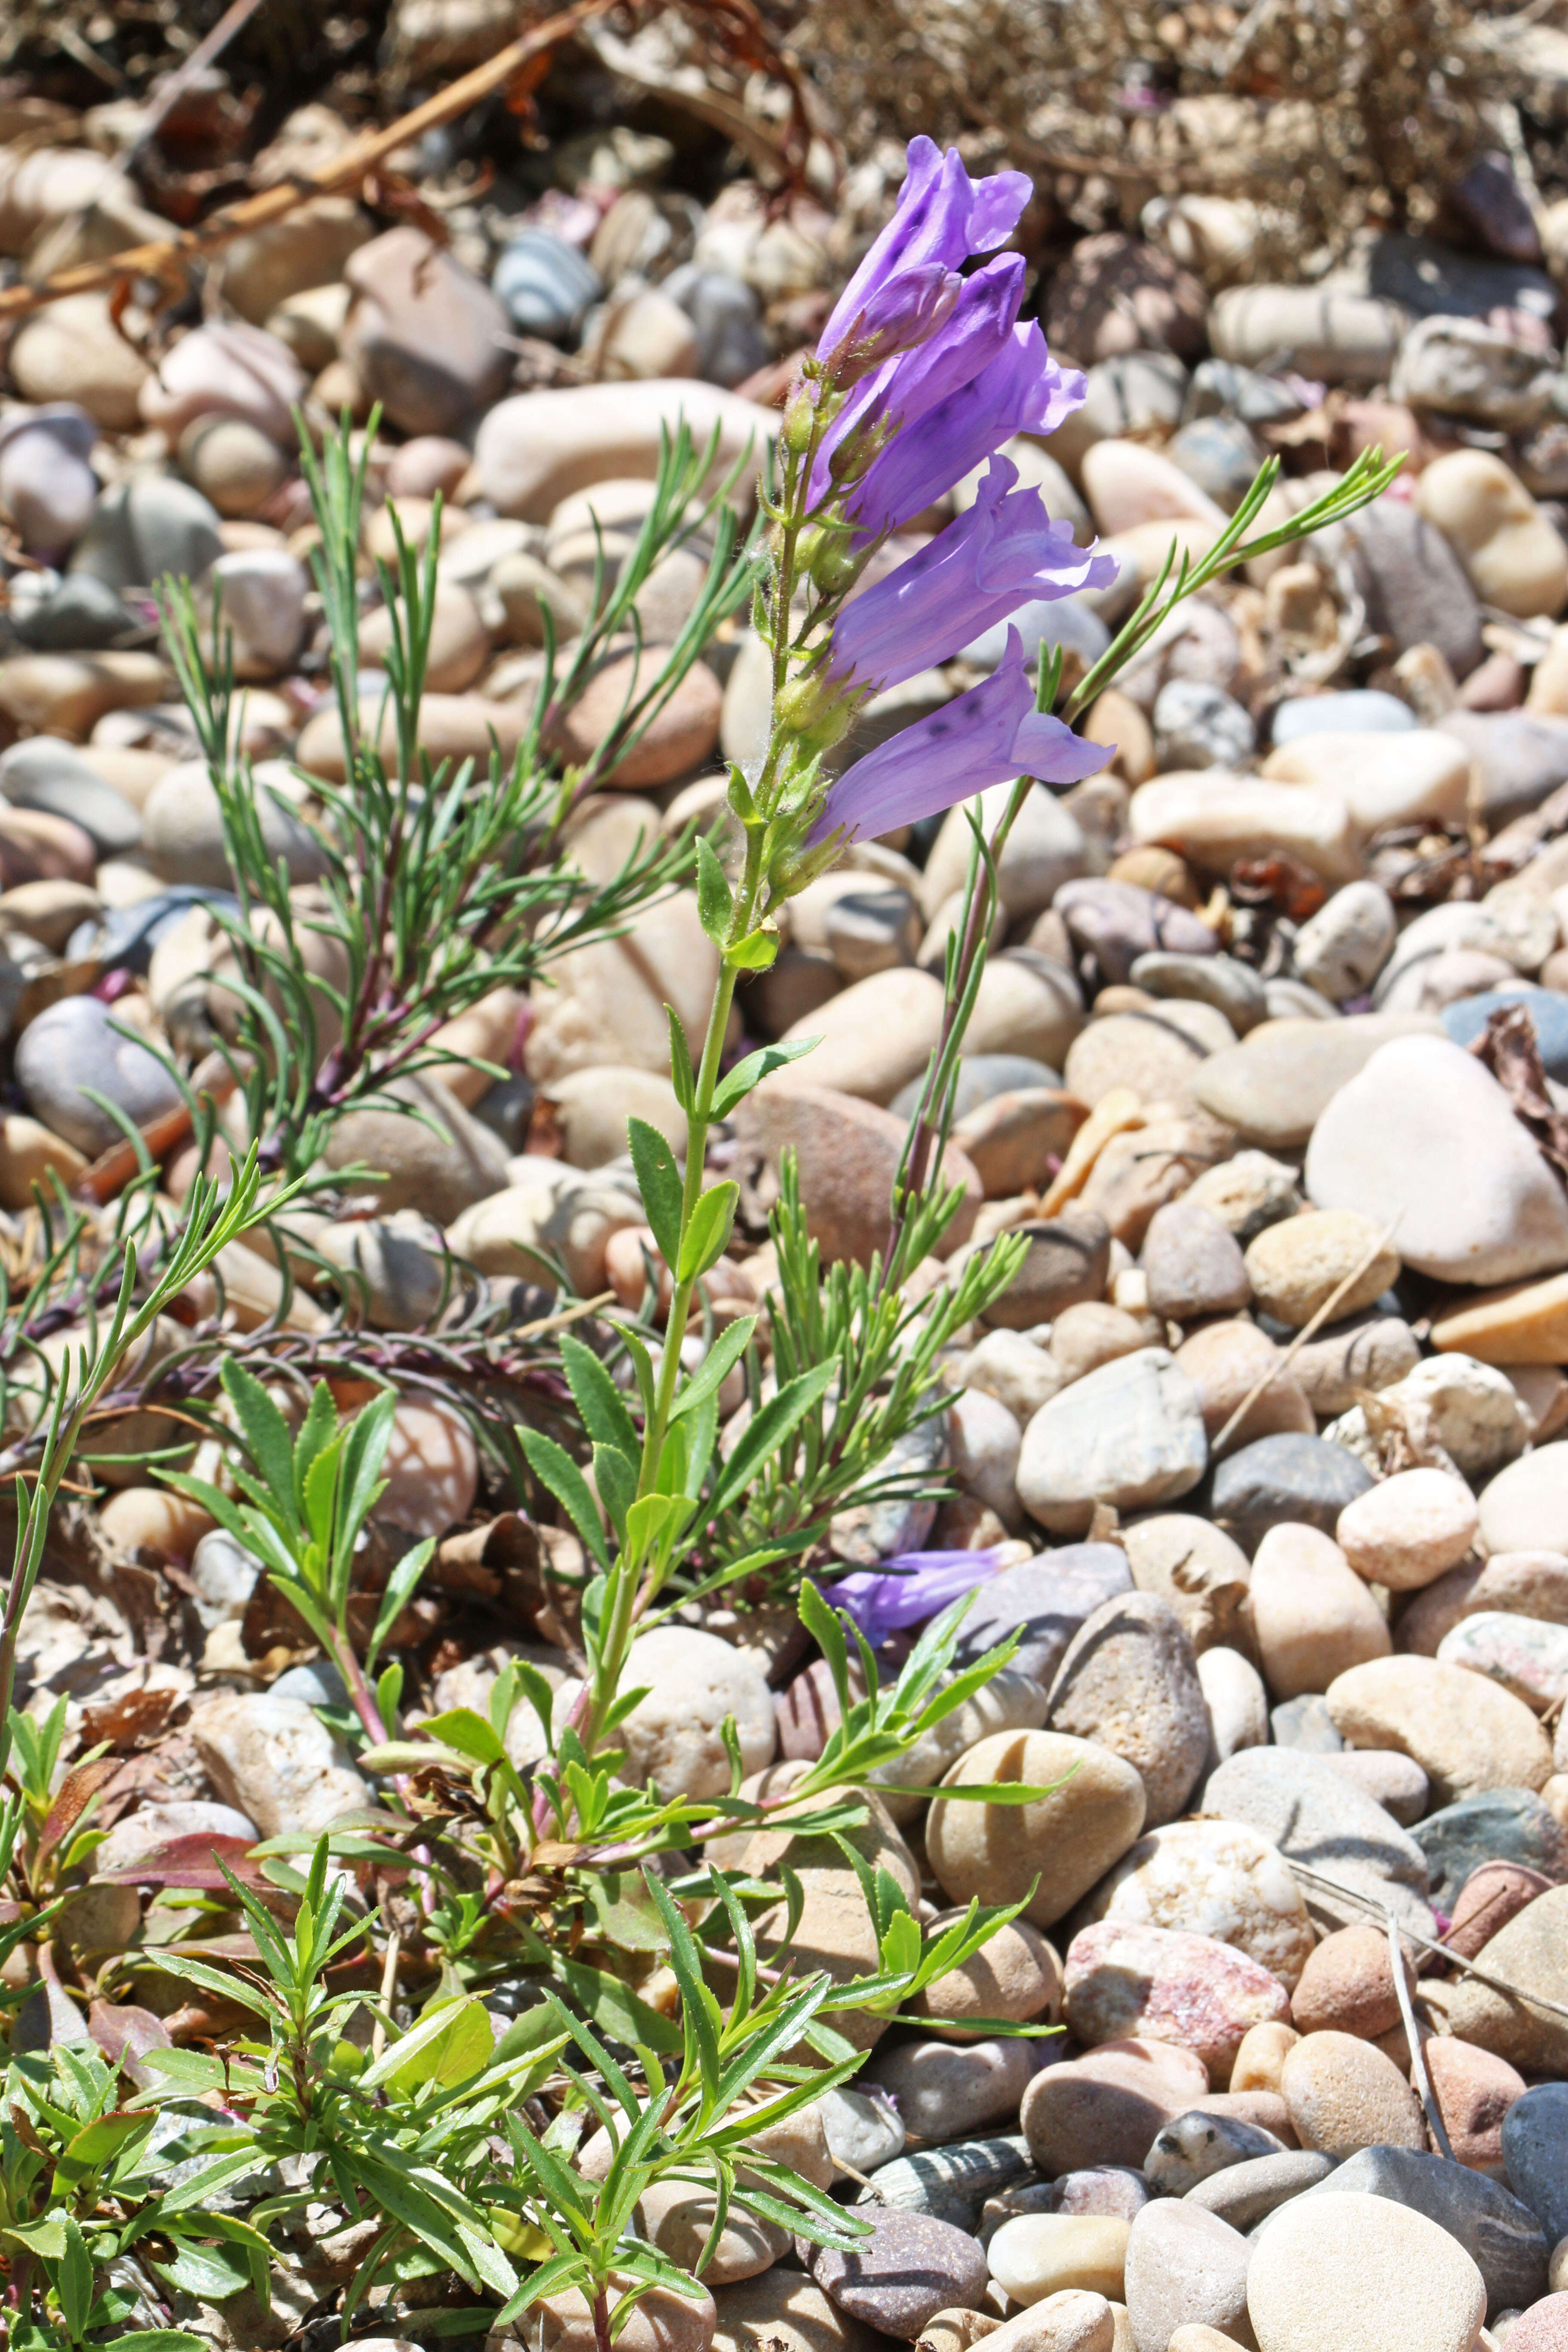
{"x":1507,"y":1047}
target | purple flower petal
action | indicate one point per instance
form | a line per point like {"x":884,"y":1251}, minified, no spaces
{"x":941,"y":216}
{"x":910,"y":385}
{"x":913,"y":1587}
{"x":985,"y":736}
{"x":1004,"y":552}
{"x":1021,"y":391}
{"x":900,"y":314}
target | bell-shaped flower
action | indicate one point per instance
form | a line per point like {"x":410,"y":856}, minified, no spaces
{"x":912,"y":383}
{"x":1004,"y":552}
{"x":1021,"y":391}
{"x":985,"y":736}
{"x":942,"y":216}
{"x":910,"y":1589}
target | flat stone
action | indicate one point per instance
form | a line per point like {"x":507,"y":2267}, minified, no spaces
{"x":1130,"y":1434}
{"x":1362,"y":2274}
{"x":1039,"y":2255}
{"x":535,"y":450}
{"x":1244,"y":2193}
{"x":1232,"y":988}
{"x":912,"y":2267}
{"x":1274,"y":1087}
{"x":847,"y":1152}
{"x":53,"y":780}
{"x":1214,"y":818}
{"x":1501,"y":2236}
{"x":1314,"y":1816}
{"x":1045,"y":1600}
{"x":1466,"y":1734}
{"x":862,"y":2127}
{"x":1303,"y":1479}
{"x":1499,"y":1825}
{"x":1417,"y":590}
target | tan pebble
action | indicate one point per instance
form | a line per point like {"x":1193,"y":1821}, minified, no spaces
{"x":1467,"y":1734}
{"x":1296,"y":1265}
{"x":1409,"y":1529}
{"x":1340,"y":2271}
{"x":1039,"y":2255}
{"x":1343,"y":2094}
{"x":1260,"y":2061}
{"x":153,"y":1515}
{"x":1347,"y":1986}
{"x":1312,"y":1615}
{"x":1474,"y":2089}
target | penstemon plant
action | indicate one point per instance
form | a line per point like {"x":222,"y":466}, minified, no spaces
{"x":515,"y":1945}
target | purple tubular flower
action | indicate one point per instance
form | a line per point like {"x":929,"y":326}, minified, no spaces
{"x":1004,"y":552}
{"x":913,"y":383}
{"x":904,"y":313}
{"x":942,"y":216}
{"x":913,"y":1587}
{"x":985,"y":736}
{"x":1021,"y":391}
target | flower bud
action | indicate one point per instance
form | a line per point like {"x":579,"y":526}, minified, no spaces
{"x":800,"y":420}
{"x":814,"y":708}
{"x":909,"y":310}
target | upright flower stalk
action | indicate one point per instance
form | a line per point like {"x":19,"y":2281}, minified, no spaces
{"x":923,"y":373}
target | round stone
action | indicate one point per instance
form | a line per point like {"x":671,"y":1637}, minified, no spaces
{"x":1362,"y":2274}
{"x":1343,"y":2094}
{"x":1525,"y":1507}
{"x":1092,"y":1811}
{"x":1312,"y":1615}
{"x":1347,"y":1986}
{"x":694,"y":1680}
{"x":1295,"y":1267}
{"x":75,"y":1049}
{"x":1406,"y":1531}
{"x":1129,"y":1682}
{"x":1342,"y":948}
{"x":1219,"y":1879}
{"x":1130,"y":1982}
{"x":1474,"y":2090}
{"x":945,"y":2090}
{"x":1108,"y":2106}
{"x":1184,"y":2267}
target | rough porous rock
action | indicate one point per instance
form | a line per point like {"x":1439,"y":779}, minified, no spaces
{"x":1343,"y":2094}
{"x":274,"y":1761}
{"x":1317,"y":1817}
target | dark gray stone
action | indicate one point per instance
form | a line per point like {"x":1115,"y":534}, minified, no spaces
{"x":1316,"y":1815}
{"x":950,"y":2183}
{"x":123,"y":937}
{"x":1501,"y":2236}
{"x":1438,"y":281}
{"x":80,"y":616}
{"x":1243,"y":2194}
{"x":1548,"y":1017}
{"x":1047,"y":1599}
{"x":1306,"y":1724}
{"x":1500,"y":1825}
{"x":1522,"y":757}
{"x":1303,"y":1479}
{"x":1535,"y":2155}
{"x":911,"y":2266}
